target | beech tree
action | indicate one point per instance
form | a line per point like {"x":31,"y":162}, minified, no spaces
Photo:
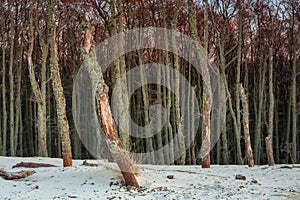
{"x":63,"y":124}
{"x":253,"y":43}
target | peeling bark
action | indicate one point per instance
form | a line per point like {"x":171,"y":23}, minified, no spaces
{"x":101,"y":90}
{"x":121,"y":156}
{"x":248,"y":148}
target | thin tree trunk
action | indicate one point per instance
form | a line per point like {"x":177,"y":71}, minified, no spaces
{"x":294,"y":98}
{"x":18,"y":98}
{"x":225,"y":143}
{"x":39,"y":93}
{"x":168,"y":103}
{"x":4,"y":100}
{"x":269,"y":139}
{"x":248,"y":148}
{"x":120,"y":100}
{"x":159,"y":143}
{"x":125,"y":122}
{"x":11,"y":89}
{"x":145,"y":100}
{"x":258,"y":124}
{"x":288,"y":130}
{"x":178,"y":120}
{"x":63,"y":124}
{"x":207,"y":99}
{"x":238,"y":77}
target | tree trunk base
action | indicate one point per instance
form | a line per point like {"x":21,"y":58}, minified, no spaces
{"x":206,"y":163}
{"x":270,"y":155}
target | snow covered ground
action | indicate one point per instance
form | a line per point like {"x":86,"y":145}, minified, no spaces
{"x":189,"y":182}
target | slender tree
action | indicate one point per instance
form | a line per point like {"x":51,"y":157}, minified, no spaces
{"x":63,"y":124}
{"x":39,"y":92}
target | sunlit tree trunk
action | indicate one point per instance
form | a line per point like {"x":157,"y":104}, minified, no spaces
{"x":62,"y":121}
{"x":100,"y":90}
{"x":245,"y":112}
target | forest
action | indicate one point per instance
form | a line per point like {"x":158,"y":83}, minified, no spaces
{"x":254,"y":46}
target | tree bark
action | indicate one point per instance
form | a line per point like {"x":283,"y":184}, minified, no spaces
{"x":238,"y":77}
{"x":269,"y":139}
{"x":121,"y":156}
{"x":248,"y":148}
{"x":63,"y":124}
{"x":4,"y":111}
{"x":16,"y":175}
{"x":11,"y":89}
{"x":101,"y":90}
{"x":178,"y":119}
{"x":294,"y":97}
{"x":258,"y":124}
{"x":39,"y":93}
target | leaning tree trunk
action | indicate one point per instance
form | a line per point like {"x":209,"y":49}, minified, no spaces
{"x":120,"y":155}
{"x":248,"y":148}
{"x":62,"y":121}
{"x":38,"y":92}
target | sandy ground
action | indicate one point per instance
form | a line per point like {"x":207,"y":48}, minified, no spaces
{"x":189,"y":182}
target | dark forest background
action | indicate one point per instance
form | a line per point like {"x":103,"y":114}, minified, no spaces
{"x":253,"y":43}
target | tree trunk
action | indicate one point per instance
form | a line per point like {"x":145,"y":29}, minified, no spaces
{"x":258,"y":124}
{"x":294,"y":98}
{"x":238,"y":77}
{"x":269,"y":139}
{"x":178,"y":119}
{"x":63,"y":124}
{"x":11,"y":90}
{"x":248,"y":148}
{"x":101,"y":90}
{"x":18,"y":99}
{"x":121,"y":156}
{"x":206,"y":96}
{"x":4,"y":100}
{"x":38,"y":92}
{"x":120,"y":101}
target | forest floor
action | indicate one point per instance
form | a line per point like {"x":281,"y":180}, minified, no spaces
{"x":159,"y":182}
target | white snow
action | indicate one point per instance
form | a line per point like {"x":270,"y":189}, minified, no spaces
{"x":189,"y":182}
